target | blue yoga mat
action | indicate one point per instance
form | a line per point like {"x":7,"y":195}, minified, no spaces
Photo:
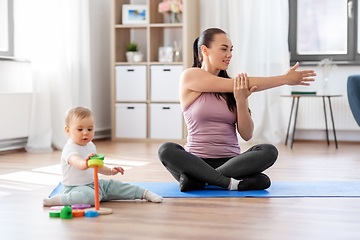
{"x":277,"y":189}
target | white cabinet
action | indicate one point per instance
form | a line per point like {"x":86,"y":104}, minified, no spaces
{"x":130,"y":120}
{"x":166,"y":121}
{"x":130,"y":83}
{"x":165,"y":82}
{"x":150,"y":81}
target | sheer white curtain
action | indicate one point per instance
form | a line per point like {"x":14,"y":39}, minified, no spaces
{"x":259,"y":31}
{"x":54,"y":35}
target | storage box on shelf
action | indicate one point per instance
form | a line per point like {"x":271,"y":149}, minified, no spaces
{"x":149,"y":89}
{"x":130,"y":120}
{"x":165,"y":82}
{"x":131,"y":83}
{"x":166,"y":121}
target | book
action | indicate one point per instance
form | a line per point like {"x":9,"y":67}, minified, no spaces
{"x":303,"y":93}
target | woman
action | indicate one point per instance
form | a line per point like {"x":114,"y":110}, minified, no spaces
{"x":214,"y":107}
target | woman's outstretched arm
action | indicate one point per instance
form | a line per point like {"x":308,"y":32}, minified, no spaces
{"x":199,"y":80}
{"x":291,"y":77}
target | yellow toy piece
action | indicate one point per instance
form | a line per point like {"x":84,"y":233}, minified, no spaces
{"x":97,"y":160}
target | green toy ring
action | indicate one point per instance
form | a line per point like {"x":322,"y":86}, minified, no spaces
{"x":98,"y":156}
{"x":55,"y":213}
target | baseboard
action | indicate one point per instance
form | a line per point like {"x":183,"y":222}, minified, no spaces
{"x":13,"y":144}
{"x":341,"y":135}
{"x":102,"y":133}
{"x":19,"y":143}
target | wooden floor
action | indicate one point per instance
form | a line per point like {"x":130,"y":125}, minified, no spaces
{"x":26,"y":178}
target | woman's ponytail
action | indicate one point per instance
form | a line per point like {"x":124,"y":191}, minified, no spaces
{"x":197,"y":62}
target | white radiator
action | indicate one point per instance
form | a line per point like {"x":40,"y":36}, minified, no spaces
{"x":15,"y":111}
{"x":311,"y":114}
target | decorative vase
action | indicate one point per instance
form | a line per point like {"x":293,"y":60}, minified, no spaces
{"x":327,"y":66}
{"x":174,"y":18}
{"x":177,"y":56}
{"x":326,"y":86}
{"x":138,"y":57}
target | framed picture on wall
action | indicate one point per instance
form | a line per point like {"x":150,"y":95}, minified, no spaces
{"x":134,"y":14}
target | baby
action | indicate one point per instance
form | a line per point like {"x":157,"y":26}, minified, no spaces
{"x":78,"y":178}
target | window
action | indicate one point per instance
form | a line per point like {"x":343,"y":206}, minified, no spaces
{"x":6,"y":28}
{"x":321,"y":29}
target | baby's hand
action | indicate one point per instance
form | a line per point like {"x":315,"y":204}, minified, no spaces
{"x":88,"y":158}
{"x":116,"y":170}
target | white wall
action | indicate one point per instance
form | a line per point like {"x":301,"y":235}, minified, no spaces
{"x":15,"y":99}
{"x":100,"y":62}
{"x":15,"y":77}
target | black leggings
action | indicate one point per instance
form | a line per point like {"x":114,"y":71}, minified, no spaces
{"x":216,"y":171}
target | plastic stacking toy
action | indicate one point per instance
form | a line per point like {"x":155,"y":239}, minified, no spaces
{"x":66,"y":212}
{"x":97,"y":162}
{"x":80,"y":206}
{"x":54,"y":213}
{"x":78,"y":213}
{"x":56,"y":207}
{"x":91,"y":214}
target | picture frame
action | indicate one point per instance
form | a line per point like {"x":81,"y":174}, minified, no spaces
{"x":134,"y":14}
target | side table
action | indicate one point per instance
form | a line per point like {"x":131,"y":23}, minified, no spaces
{"x":297,"y":97}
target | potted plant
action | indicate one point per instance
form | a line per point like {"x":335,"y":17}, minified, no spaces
{"x":131,"y":50}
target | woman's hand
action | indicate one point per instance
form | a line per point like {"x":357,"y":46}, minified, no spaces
{"x":245,"y":125}
{"x":241,"y":87}
{"x":294,"y":77}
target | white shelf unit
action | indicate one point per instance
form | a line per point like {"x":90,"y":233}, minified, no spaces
{"x":161,"y":79}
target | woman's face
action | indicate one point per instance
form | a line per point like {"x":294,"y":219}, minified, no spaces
{"x":220,"y":52}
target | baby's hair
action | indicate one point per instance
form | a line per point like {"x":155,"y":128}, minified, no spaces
{"x":79,"y":113}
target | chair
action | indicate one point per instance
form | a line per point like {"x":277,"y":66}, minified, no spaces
{"x":353,"y":91}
